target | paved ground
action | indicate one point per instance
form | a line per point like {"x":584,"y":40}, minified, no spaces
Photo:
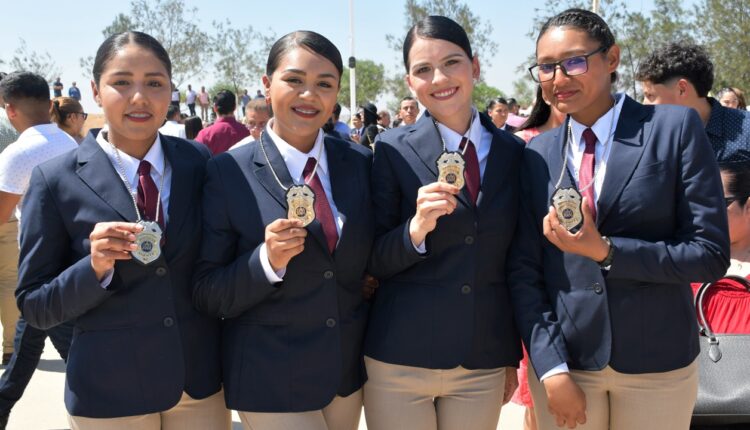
{"x":41,"y":407}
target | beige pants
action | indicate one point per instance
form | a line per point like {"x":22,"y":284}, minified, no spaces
{"x":189,"y":414}
{"x":341,"y":414}
{"x":8,"y":279}
{"x":413,"y":398}
{"x":619,"y":401}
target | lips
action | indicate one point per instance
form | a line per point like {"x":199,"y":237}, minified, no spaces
{"x":565,"y":95}
{"x":138,"y":116}
{"x":445,"y":94}
{"x":306,"y":111}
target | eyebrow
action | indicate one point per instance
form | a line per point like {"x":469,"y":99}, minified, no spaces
{"x":447,"y":57}
{"x":303,"y":73}
{"x":565,"y":55}
{"x":126,"y":73}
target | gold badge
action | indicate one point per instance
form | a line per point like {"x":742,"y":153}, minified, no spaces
{"x":567,"y":203}
{"x":450,"y":167}
{"x":301,"y":201}
{"x":148,"y":241}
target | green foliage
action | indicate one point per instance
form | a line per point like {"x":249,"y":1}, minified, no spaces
{"x":239,"y":54}
{"x":371,"y":83}
{"x":483,"y":93}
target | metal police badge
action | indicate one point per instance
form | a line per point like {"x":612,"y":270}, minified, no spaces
{"x":450,"y":167}
{"x":567,"y":203}
{"x":148,"y":241}
{"x":301,"y":201}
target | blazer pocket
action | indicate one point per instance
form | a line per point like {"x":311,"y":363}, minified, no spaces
{"x":649,"y":169}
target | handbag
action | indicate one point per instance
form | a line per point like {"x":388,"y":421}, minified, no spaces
{"x":723,"y":370}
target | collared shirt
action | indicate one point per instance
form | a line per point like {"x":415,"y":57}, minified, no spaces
{"x":728,"y":131}
{"x":190,"y":97}
{"x":222,"y":134}
{"x":34,"y":146}
{"x":173,"y":128}
{"x":295,"y":161}
{"x":159,"y":166}
{"x":479,"y":136}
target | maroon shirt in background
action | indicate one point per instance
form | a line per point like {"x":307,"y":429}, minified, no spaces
{"x":222,"y":134}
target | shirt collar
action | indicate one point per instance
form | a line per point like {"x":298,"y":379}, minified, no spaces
{"x":155,"y":156}
{"x":295,"y":159}
{"x":716,"y":119}
{"x":453,"y":139}
{"x":604,"y":127}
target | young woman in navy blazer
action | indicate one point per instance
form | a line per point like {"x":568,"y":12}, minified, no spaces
{"x":141,"y":357}
{"x":441,"y":346}
{"x":291,"y":296}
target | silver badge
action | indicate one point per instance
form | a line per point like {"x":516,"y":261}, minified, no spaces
{"x":148,"y":241}
{"x":567,"y":203}
{"x":301,"y":202}
{"x":450,"y":167}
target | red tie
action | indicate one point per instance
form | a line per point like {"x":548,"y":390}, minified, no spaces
{"x":322,"y":209}
{"x":148,"y":195}
{"x":586,"y":172}
{"x":471,"y":172}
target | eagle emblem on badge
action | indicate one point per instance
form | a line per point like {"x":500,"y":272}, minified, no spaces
{"x":450,"y":167}
{"x":301,"y":202}
{"x":567,"y":203}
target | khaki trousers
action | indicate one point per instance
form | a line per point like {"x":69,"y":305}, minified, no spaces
{"x":341,"y":414}
{"x":189,"y":414}
{"x":8,"y":279}
{"x":413,"y":398}
{"x":619,"y":401}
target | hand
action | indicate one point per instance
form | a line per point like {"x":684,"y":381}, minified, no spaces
{"x":285,"y":238}
{"x":369,"y":285}
{"x":112,"y":241}
{"x":565,"y":400}
{"x":586,"y":242}
{"x":433,"y":201}
{"x":511,"y":383}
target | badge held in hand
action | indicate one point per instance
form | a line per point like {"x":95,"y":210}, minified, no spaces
{"x":567,"y":203}
{"x":301,"y":202}
{"x":148,"y":241}
{"x":450,"y":167}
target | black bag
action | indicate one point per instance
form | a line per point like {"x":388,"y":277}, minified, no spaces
{"x":724,"y":371}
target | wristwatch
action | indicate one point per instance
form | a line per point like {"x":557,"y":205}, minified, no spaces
{"x":607,"y":262}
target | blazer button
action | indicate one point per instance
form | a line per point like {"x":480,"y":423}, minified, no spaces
{"x":168,"y":322}
{"x":161,"y":271}
{"x":328,"y":274}
{"x":466,"y":289}
{"x":469,"y":240}
{"x":331,"y":323}
{"x":598,"y":288}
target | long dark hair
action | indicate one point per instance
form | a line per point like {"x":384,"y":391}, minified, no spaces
{"x":437,"y":27}
{"x":539,"y":114}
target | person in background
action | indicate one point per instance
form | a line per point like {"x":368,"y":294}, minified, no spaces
{"x":732,"y":98}
{"x":514,"y":117}
{"x":8,"y":134}
{"x":339,"y":126}
{"x":384,"y":119}
{"x":203,"y":101}
{"x":369,"y":130}
{"x":57,"y":88}
{"x":193,"y":125}
{"x":681,"y":73}
{"x":74,"y":92}
{"x":497,"y":109}
{"x":172,"y":126}
{"x":244,"y":100}
{"x":68,"y":114}
{"x":356,"y":131}
{"x":257,"y":114}
{"x":190,"y":97}
{"x":543,"y":117}
{"x":175,"y":96}
{"x":408,"y":110}
{"x":226,"y":130}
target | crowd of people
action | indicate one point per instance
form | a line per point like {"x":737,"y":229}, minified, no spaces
{"x":296,"y":268}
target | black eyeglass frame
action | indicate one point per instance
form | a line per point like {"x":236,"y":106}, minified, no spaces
{"x":535,"y":76}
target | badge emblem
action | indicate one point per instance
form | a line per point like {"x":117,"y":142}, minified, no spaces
{"x":567,"y":203}
{"x":450,"y":167}
{"x":148,"y":241}
{"x":301,"y":201}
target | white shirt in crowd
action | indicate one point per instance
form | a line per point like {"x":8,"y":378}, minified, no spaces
{"x":34,"y":146}
{"x":190,"y":97}
{"x":176,"y":95}
{"x":173,"y":128}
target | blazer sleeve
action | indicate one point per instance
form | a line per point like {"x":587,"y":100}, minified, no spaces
{"x":50,"y":289}
{"x":699,"y":251}
{"x":534,"y":313}
{"x":225,"y":284}
{"x":393,"y":251}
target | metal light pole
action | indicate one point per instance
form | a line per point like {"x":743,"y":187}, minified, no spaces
{"x":352,"y":64}
{"x":595,"y":6}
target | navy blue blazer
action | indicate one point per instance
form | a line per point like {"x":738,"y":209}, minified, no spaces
{"x":139,"y":343}
{"x":451,"y":306}
{"x":661,"y":205}
{"x":291,"y":346}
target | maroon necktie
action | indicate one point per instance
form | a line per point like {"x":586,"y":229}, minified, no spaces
{"x":586,"y":172}
{"x":471,"y":172}
{"x":323,"y":211}
{"x":148,"y":195}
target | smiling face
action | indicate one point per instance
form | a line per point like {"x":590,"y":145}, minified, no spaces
{"x":134,"y":92}
{"x":302,"y":91}
{"x":442,"y":77}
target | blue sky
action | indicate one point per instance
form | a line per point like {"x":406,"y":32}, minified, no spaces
{"x":71,"y":30}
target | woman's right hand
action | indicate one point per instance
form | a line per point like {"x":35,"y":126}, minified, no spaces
{"x":112,"y":241}
{"x":433,"y":201}
{"x":285,"y":238}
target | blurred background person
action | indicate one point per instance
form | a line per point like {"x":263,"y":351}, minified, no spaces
{"x":203,"y":100}
{"x":226,"y":130}
{"x":384,"y":119}
{"x":514,"y":117}
{"x":408,"y":110}
{"x":732,"y":97}
{"x":190,"y":97}
{"x":339,"y":126}
{"x":74,"y":92}
{"x":175,"y":96}
{"x":369,"y":125}
{"x":172,"y":126}
{"x":543,"y":117}
{"x":257,"y":114}
{"x":193,"y":125}
{"x":68,"y":114}
{"x":498,"y":111}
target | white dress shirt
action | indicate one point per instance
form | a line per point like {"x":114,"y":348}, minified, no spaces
{"x":295,"y":161}
{"x":173,"y":128}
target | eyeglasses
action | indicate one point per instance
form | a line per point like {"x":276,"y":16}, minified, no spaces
{"x":83,"y":114}
{"x":731,"y":199}
{"x":572,"y":66}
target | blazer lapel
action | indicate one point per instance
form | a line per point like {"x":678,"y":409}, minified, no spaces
{"x":180,"y":189}
{"x":98,"y":173}
{"x":556,"y":160}
{"x":626,"y":151}
{"x":264,"y":171}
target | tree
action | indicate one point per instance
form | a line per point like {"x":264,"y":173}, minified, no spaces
{"x":31,"y":61}
{"x":524,"y":91}
{"x":239,"y":54}
{"x":483,"y":93}
{"x":371,"y":83}
{"x":120,"y":24}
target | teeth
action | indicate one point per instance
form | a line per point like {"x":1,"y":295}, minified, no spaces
{"x":445,"y":93}
{"x":306,"y":112}
{"x":139,"y":115}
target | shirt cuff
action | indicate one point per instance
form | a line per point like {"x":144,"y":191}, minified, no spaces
{"x":272,"y":276}
{"x":421,"y":249}
{"x":560,"y":368}
{"x":108,"y":275}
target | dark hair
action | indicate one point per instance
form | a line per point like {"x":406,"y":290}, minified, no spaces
{"x":18,"y":86}
{"x":172,"y":110}
{"x":62,"y":108}
{"x":114,"y":43}
{"x":737,"y":93}
{"x":371,"y":114}
{"x":512,"y":102}
{"x":407,"y":98}
{"x":539,"y":114}
{"x":496,"y":101}
{"x":193,"y":125}
{"x":679,"y":60}
{"x":337,"y":110}
{"x":225,"y":102}
{"x":588,"y":22}
{"x":309,"y":40}
{"x":738,"y":184}
{"x":437,"y":27}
